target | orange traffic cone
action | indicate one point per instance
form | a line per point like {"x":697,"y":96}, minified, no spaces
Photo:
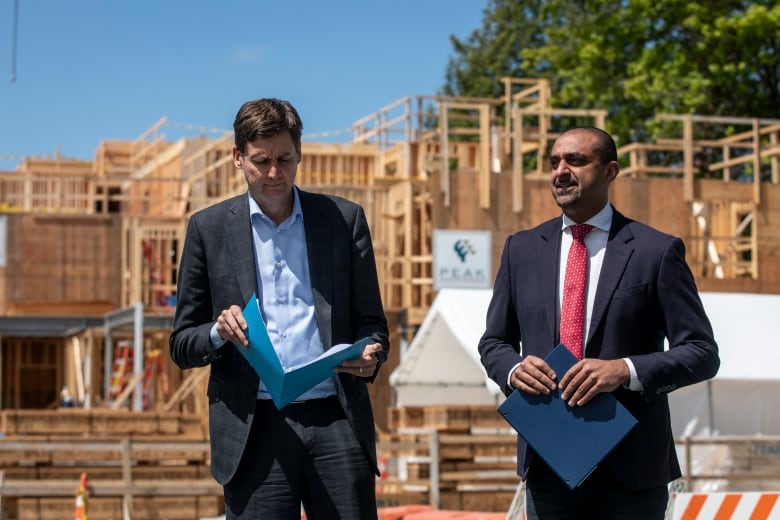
{"x":81,"y":499}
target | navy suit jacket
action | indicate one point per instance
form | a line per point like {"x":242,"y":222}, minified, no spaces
{"x":645,"y":293}
{"x":217,"y":270}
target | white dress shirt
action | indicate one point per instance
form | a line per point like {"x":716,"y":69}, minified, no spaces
{"x":596,"y":244}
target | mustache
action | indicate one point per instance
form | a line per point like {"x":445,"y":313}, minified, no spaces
{"x":563,"y":182}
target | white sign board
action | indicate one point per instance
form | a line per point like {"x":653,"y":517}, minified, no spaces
{"x":461,"y":259}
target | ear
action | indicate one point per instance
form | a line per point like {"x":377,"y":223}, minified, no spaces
{"x":236,"y":158}
{"x":613,"y":169}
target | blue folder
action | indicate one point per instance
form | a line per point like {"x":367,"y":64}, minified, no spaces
{"x":573,"y":441}
{"x":287,"y":384}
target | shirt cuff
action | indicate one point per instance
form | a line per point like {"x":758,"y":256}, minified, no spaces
{"x":509,"y":376}
{"x":216,"y":341}
{"x":634,"y":383}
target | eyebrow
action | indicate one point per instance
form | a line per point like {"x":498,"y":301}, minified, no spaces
{"x":569,"y":156}
{"x":263,"y":156}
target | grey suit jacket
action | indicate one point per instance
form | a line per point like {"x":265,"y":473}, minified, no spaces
{"x":645,"y":293}
{"x":217,"y":270}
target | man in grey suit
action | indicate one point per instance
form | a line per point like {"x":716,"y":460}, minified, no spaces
{"x":638,"y":291}
{"x":310,"y":260}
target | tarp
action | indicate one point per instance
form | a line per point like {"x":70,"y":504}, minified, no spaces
{"x":441,"y":365}
{"x":741,"y":399}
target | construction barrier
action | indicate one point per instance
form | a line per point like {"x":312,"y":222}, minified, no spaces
{"x":726,"y":506}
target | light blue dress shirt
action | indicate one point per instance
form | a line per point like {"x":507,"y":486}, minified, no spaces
{"x":287,"y":301}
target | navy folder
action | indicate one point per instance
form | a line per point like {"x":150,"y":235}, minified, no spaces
{"x":573,"y":441}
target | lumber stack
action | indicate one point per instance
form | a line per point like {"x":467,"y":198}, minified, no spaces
{"x":458,"y":457}
{"x":154,"y":465}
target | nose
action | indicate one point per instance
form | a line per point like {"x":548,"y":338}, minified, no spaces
{"x":560,"y":169}
{"x":273,"y":168}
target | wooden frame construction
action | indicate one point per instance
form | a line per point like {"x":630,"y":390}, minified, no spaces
{"x":417,"y":164}
{"x":84,"y":243}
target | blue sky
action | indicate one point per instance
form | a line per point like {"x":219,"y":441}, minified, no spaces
{"x":89,"y":70}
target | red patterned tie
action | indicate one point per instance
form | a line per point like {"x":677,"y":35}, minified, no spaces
{"x":574,"y":285}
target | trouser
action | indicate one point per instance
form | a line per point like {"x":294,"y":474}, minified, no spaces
{"x":304,"y":454}
{"x":600,"y":497}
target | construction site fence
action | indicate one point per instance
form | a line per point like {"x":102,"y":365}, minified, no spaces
{"x":710,"y":464}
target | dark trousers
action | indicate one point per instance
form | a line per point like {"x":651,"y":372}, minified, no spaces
{"x":305,"y":454}
{"x":599,"y":497}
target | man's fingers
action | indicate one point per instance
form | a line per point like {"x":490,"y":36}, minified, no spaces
{"x":238,"y":316}
{"x":231,"y":325}
{"x":531,"y":386}
{"x":589,"y":377}
{"x":370,"y":351}
{"x":534,"y":376}
{"x":538,"y":368}
{"x":365,"y":365}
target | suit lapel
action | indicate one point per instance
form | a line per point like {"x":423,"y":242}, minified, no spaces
{"x":319,"y":248}
{"x":547,"y":260}
{"x":616,"y":257}
{"x":242,"y":252}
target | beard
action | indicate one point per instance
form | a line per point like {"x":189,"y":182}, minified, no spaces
{"x":566,"y":199}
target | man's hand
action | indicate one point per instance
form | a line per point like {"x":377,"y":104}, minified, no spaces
{"x":533,"y":375}
{"x":591,"y":376}
{"x":365,"y":365}
{"x":231,"y":326}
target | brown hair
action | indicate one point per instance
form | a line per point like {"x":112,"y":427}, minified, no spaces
{"x":266,"y":118}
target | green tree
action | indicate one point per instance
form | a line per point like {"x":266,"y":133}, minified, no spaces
{"x":495,"y":50}
{"x":634,"y":58}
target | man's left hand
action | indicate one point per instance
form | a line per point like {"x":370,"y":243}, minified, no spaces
{"x":591,"y":376}
{"x":365,"y":365}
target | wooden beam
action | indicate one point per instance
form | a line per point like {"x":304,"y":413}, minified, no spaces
{"x":186,"y":387}
{"x":11,"y":487}
{"x":518,"y":179}
{"x":127,"y":391}
{"x":757,"y":162}
{"x":484,"y":156}
{"x":688,"y":158}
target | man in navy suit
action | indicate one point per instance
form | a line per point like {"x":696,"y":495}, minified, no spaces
{"x":310,"y":259}
{"x":639,"y":291}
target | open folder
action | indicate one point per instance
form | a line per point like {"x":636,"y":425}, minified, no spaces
{"x":287,"y":384}
{"x":573,"y":441}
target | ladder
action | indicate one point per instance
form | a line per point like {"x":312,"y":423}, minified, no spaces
{"x":154,"y":376}
{"x":123,"y":365}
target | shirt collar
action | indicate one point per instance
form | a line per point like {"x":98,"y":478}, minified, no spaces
{"x":297,"y":212}
{"x":601,"y":220}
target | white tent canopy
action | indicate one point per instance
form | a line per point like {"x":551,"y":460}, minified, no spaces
{"x":441,"y":366}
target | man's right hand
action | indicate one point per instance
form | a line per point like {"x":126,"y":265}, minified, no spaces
{"x":231,"y":326}
{"x":533,"y":375}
